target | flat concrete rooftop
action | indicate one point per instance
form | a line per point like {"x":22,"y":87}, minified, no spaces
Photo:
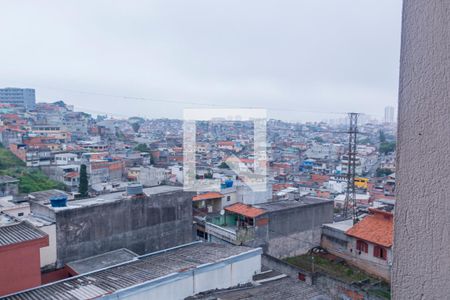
{"x":112,"y":197}
{"x":340,"y":226}
{"x":289,"y":204}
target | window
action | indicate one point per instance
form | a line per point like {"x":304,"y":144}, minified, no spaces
{"x":20,"y":214}
{"x":228,"y":198}
{"x":380,"y":252}
{"x":362,"y":246}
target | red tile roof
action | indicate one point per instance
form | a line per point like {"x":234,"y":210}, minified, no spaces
{"x":72,"y":175}
{"x":207,"y":196}
{"x":377,"y":228}
{"x":245,"y":210}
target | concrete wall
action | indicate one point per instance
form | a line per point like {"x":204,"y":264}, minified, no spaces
{"x":141,"y":225}
{"x":333,"y":287}
{"x":422,"y":218}
{"x":294,"y":231}
{"x":151,"y":176}
{"x":365,"y":261}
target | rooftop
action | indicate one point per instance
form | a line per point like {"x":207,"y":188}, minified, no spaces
{"x":245,"y":210}
{"x":341,"y":226}
{"x":288,"y":204}
{"x":286,"y":288}
{"x":207,"y":196}
{"x":13,"y":232}
{"x":44,"y":196}
{"x":102,"y":261}
{"x":376,"y":228}
{"x":112,"y":197}
{"x":147,"y":268}
{"x":7,"y":179}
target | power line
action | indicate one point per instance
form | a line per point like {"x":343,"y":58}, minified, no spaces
{"x":172,"y":101}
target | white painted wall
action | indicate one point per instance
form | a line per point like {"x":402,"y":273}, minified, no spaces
{"x":219,"y":275}
{"x":48,"y":254}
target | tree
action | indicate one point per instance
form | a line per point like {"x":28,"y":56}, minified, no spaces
{"x":387,"y":147}
{"x":84,"y":185}
{"x":135,"y":126}
{"x":142,"y":148}
{"x":223,"y":165}
{"x":383,"y":172}
{"x":382,"y":136}
{"x":318,"y":139}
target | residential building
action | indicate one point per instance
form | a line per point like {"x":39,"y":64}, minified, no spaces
{"x":367,"y":244}
{"x":9,"y":186}
{"x":389,"y":114}
{"x":66,"y":158}
{"x":24,"y":98}
{"x":142,"y":220}
{"x":19,"y":255}
{"x":282,"y":228}
{"x":151,"y":176}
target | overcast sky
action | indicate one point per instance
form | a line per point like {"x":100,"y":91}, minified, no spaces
{"x":295,"y":57}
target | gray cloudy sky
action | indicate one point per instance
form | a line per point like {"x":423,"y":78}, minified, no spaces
{"x":289,"y":56}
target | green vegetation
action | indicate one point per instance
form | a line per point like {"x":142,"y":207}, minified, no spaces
{"x":30,"y":180}
{"x":382,"y":136}
{"x":364,"y":141}
{"x":224,"y":165}
{"x":337,"y":268}
{"x":386,"y":146}
{"x":142,"y":148}
{"x":84,"y":184}
{"x":9,"y":160}
{"x":318,"y":139}
{"x":135,"y":126}
{"x":383,"y":172}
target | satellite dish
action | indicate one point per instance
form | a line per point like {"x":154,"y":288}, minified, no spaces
{"x":222,"y":212}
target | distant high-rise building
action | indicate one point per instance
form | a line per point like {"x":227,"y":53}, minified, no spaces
{"x":389,"y":114}
{"x":21,"y":97}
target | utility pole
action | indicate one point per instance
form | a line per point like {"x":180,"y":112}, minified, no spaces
{"x":350,"y":195}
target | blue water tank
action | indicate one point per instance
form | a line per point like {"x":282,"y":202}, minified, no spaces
{"x":134,"y":189}
{"x":58,"y":201}
{"x":228,"y":183}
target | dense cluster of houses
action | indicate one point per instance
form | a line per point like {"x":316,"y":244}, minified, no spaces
{"x":135,"y":198}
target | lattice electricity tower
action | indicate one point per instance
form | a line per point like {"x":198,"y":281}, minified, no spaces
{"x":350,"y":195}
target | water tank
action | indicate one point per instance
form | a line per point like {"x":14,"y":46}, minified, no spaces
{"x":228,"y":183}
{"x":134,"y":189}
{"x":58,"y":201}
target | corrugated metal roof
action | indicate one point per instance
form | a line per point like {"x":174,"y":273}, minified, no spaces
{"x":123,"y":276}
{"x":19,"y":232}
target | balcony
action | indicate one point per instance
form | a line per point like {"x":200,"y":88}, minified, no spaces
{"x":233,"y":235}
